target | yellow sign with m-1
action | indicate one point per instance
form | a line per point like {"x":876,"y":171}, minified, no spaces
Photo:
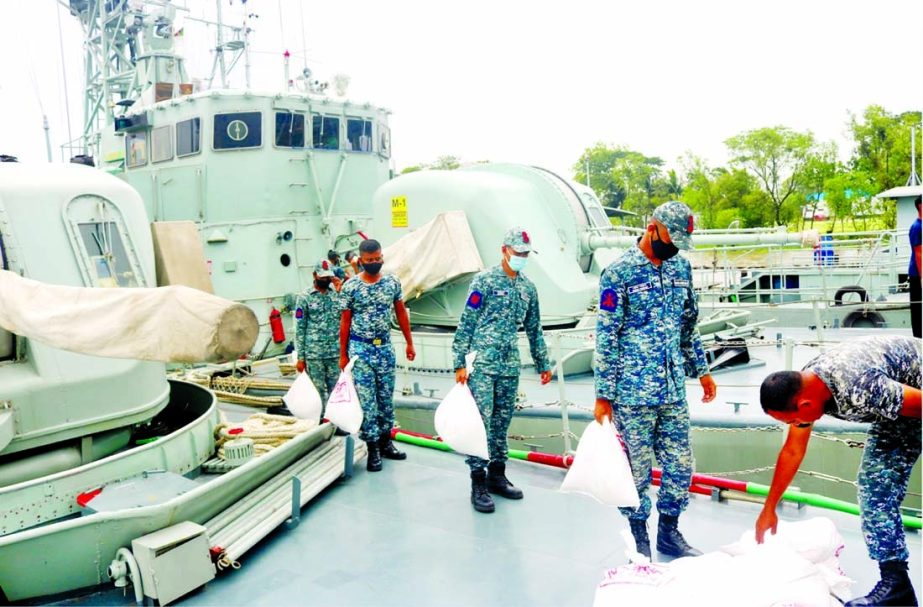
{"x":399,"y":212}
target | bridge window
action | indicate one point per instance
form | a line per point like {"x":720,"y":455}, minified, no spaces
{"x":162,"y":144}
{"x":326,"y":132}
{"x":289,"y":130}
{"x":187,"y":137}
{"x":358,"y":135}
{"x":238,"y":130}
{"x":136,"y":149}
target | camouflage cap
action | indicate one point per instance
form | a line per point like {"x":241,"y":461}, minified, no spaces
{"x":677,"y":218}
{"x":518,"y":240}
{"x":323,"y":269}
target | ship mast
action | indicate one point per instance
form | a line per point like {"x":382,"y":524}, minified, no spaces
{"x":131,"y":60}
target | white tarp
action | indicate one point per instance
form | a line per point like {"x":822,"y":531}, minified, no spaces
{"x":434,"y":253}
{"x":169,"y":324}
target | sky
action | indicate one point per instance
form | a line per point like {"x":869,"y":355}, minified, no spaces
{"x":528,"y":82}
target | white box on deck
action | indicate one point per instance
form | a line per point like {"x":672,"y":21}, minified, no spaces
{"x":173,"y":561}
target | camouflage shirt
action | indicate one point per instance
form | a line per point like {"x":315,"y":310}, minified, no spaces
{"x":646,"y":336}
{"x":865,"y":376}
{"x":497,"y":306}
{"x":371,"y":305}
{"x":317,"y":325}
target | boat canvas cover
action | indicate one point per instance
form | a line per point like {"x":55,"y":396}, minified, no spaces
{"x":433,"y":254}
{"x":168,"y":324}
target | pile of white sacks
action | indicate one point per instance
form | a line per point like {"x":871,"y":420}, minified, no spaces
{"x":799,"y":566}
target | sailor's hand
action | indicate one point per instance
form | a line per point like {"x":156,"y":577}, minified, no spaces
{"x":299,"y":366}
{"x":337,"y":283}
{"x":767,"y":521}
{"x":411,"y":353}
{"x":546,"y":377}
{"x":708,"y":385}
{"x":461,"y":376}
{"x":603,"y":410}
{"x":344,"y":360}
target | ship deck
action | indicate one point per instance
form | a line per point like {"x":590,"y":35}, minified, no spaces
{"x":409,"y":536}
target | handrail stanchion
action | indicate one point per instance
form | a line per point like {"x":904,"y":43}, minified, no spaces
{"x":562,"y":399}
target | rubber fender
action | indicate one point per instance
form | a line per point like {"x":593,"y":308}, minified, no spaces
{"x":838,"y":297}
{"x":868,"y":317}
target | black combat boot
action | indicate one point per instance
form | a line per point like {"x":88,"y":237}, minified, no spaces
{"x":670,"y":541}
{"x":642,"y":541}
{"x":893,"y":589}
{"x":373,"y":463}
{"x":387,"y":448}
{"x":480,"y":499}
{"x":497,"y":482}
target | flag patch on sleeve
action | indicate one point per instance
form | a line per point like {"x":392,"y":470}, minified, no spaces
{"x":608,"y":300}
{"x":475,"y":299}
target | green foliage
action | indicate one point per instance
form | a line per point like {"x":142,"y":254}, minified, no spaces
{"x":719,"y":196}
{"x":776,"y":156}
{"x":883,"y":145}
{"x":624,"y":178}
{"x":443,"y":163}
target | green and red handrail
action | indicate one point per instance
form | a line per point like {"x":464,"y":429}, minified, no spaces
{"x":701,"y":483}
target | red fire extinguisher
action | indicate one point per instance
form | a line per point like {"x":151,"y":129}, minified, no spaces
{"x":275,"y":325}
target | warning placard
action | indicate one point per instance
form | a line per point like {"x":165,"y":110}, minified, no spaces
{"x":399,"y":212}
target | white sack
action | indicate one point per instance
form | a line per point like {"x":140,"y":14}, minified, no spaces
{"x":434,"y":253}
{"x":458,"y":420}
{"x":303,"y":399}
{"x":169,"y":324}
{"x":601,"y":469}
{"x":343,"y":408}
{"x":768,"y":575}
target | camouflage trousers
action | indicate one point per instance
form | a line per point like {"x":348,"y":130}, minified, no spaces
{"x":373,"y":375}
{"x":891,"y":450}
{"x":496,"y":399}
{"x":324,"y":373}
{"x":660,"y":431}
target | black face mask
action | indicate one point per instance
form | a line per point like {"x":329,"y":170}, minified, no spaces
{"x":662,"y":250}
{"x":322,"y":283}
{"x":372,"y":268}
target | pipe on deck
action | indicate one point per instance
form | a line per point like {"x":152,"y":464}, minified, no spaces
{"x":700,"y":482}
{"x":591,"y":242}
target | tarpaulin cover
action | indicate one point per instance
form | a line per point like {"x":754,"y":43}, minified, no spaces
{"x":433,"y":254}
{"x":169,"y":324}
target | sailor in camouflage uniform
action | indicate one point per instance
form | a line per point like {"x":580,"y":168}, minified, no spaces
{"x":646,"y":345}
{"x":500,"y":300}
{"x":317,"y":325}
{"x":365,"y":332}
{"x":872,"y":379}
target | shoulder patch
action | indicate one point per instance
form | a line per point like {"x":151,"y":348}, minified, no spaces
{"x":608,"y":300}
{"x":299,"y":313}
{"x":475,"y":299}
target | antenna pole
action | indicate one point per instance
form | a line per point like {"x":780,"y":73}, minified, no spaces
{"x":47,"y":135}
{"x":220,"y":49}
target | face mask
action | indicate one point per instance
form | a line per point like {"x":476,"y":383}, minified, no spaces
{"x":372,"y":268}
{"x":517,"y":264}
{"x":662,"y":250}
{"x":322,"y":283}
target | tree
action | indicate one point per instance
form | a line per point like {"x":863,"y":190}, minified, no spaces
{"x":700,"y":193}
{"x":776,"y":156}
{"x":443,"y":163}
{"x":883,"y":145}
{"x":820,"y":165}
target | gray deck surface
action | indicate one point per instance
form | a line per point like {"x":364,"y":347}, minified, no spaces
{"x":408,"y":536}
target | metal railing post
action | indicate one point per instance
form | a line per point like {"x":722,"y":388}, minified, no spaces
{"x":562,"y":399}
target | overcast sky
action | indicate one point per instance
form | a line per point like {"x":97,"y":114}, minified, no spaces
{"x":529,"y":82}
